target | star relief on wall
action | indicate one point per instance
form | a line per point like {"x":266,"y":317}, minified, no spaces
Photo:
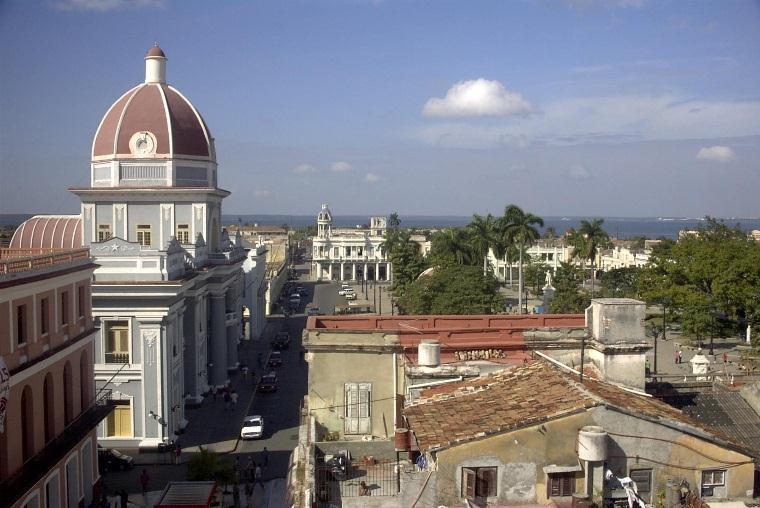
{"x":115,"y":247}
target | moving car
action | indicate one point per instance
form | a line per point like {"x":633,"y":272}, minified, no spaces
{"x":253,"y":427}
{"x":268,"y":383}
{"x":281,"y":341}
{"x":346,"y":291}
{"x":351,"y":296}
{"x":275,"y":359}
{"x":110,"y":459}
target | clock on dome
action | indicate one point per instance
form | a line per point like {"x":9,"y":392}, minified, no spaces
{"x":142,"y":143}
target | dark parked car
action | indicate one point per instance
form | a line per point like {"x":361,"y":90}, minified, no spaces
{"x":275,"y":359}
{"x":113,"y":460}
{"x":281,"y":340}
{"x":268,"y":383}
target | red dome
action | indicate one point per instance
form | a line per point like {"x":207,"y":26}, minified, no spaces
{"x":155,"y":51}
{"x":157,"y":108}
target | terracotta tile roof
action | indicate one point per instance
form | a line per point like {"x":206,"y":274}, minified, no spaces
{"x":520,"y":397}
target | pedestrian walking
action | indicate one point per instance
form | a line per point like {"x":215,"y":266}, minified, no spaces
{"x":144,"y":481}
{"x":725,"y":357}
{"x":249,"y":467}
{"x":680,"y":356}
{"x":249,"y":494}
{"x":177,"y":453}
{"x":257,"y":476}
{"x":244,"y":369}
{"x":647,"y":367}
{"x":123,"y":498}
{"x":234,"y":399}
{"x":675,"y":357}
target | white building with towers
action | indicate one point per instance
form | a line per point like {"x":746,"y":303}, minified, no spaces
{"x":349,"y":253}
{"x":167,"y":294}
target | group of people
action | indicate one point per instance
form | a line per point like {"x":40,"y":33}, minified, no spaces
{"x":250,"y":474}
{"x":228,"y":395}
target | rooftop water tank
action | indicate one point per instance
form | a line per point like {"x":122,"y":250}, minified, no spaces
{"x":429,"y":353}
{"x":592,"y":444}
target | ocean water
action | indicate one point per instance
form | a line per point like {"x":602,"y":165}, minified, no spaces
{"x":618,"y":227}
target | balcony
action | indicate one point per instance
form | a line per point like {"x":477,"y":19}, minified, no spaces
{"x":117,"y":357}
{"x":14,"y":261}
{"x":34,"y":469}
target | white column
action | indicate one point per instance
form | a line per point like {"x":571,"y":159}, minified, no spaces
{"x":365,"y":271}
{"x":377,"y":271}
{"x":329,"y":271}
{"x":353,"y":271}
{"x":342,"y":271}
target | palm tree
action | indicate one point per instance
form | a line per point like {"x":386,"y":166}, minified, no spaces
{"x":452,"y":242}
{"x":394,"y":221}
{"x":594,"y":238}
{"x":482,"y":236}
{"x":518,"y":229}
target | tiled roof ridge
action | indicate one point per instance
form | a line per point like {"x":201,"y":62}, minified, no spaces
{"x":479,"y":384}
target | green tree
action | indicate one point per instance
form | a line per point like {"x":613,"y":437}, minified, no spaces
{"x":620,"y":282}
{"x":594,"y":238}
{"x":452,"y":289}
{"x":569,"y":297}
{"x":451,"y":245}
{"x":535,"y":275}
{"x":706,"y":277}
{"x":208,"y":465}
{"x":518,"y":228}
{"x":405,"y":256}
{"x":482,"y":235}
{"x":393,"y":221}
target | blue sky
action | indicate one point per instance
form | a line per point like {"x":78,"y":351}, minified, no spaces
{"x":576,"y":107}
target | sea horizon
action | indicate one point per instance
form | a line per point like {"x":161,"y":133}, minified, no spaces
{"x":616,"y":227}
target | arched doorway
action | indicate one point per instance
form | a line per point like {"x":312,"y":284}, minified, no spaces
{"x":68,"y":394}
{"x":27,"y":423}
{"x":49,"y":407}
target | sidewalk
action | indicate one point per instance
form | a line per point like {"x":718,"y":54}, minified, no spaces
{"x":211,"y":426}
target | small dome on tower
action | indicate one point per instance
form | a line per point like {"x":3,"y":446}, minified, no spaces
{"x":155,"y":51}
{"x":324,"y":214}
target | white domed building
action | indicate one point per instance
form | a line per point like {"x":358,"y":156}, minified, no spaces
{"x":168,"y":291}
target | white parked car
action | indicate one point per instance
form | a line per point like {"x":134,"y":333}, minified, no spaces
{"x":346,"y":291}
{"x":253,"y":427}
{"x":350,"y":296}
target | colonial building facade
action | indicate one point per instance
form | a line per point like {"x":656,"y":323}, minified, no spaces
{"x":168,"y":292}
{"x":49,"y":409}
{"x":349,"y":253}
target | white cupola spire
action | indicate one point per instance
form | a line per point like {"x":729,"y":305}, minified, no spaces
{"x":155,"y":65}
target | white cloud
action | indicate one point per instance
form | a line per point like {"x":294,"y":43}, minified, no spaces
{"x":478,"y":97}
{"x":577,"y":172}
{"x":372,"y":177}
{"x":260,"y":193}
{"x":302,"y":169}
{"x":716,"y":153}
{"x":606,"y":119}
{"x":340,"y":167}
{"x":107,"y":5}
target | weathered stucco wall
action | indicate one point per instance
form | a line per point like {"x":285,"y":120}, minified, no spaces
{"x":339,"y":358}
{"x":520,"y":457}
{"x":632,"y":443}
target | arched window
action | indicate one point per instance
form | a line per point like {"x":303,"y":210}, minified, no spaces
{"x":49,"y":403}
{"x":27,"y":423}
{"x":68,"y":394}
{"x":85,"y":381}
